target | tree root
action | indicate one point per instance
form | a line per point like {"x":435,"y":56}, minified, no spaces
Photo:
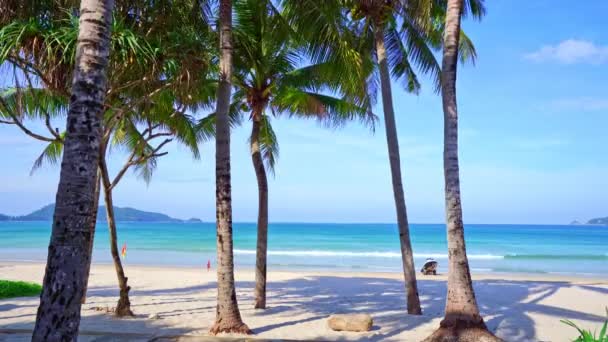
{"x":123,"y":312}
{"x":123,"y":308}
{"x":462,"y":334}
{"x":222,"y":327}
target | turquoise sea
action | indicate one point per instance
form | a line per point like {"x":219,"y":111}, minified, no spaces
{"x":571,"y":250}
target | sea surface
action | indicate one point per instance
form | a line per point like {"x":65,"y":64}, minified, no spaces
{"x":552,"y":249}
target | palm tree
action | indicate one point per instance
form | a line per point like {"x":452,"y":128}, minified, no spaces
{"x":228,"y":316}
{"x":462,"y":321}
{"x":376,"y":13}
{"x":268,"y":80}
{"x":58,"y":316}
{"x":394,"y":36}
{"x":143,"y":158}
{"x":160,"y":121}
{"x":151,"y":82}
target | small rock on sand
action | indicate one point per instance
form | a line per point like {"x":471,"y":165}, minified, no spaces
{"x":153,"y":316}
{"x":350,"y":322}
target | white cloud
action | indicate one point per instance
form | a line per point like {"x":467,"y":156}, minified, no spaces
{"x":571,"y":51}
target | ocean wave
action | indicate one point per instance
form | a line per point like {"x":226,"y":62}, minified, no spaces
{"x":319,"y":253}
{"x":395,"y":255}
{"x":557,"y":256}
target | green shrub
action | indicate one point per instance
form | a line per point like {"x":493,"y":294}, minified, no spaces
{"x":11,"y":289}
{"x":587,"y":335}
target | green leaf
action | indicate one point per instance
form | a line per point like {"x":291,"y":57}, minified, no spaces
{"x":269,"y":145}
{"x":51,"y":155}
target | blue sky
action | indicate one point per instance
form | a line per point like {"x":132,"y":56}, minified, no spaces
{"x":533,"y":118}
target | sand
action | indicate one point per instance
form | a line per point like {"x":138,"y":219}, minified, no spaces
{"x":516,"y":308}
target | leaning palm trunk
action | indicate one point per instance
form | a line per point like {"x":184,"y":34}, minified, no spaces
{"x":462,"y":320}
{"x":262,"y":243}
{"x":409,"y":273}
{"x":123,"y":308}
{"x":92,"y":230}
{"x":228,"y":317}
{"x":58,"y":316}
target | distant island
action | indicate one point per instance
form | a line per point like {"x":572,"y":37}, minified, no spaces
{"x":122,"y":214}
{"x":600,"y":221}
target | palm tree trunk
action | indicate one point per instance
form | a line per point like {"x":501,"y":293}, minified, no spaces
{"x":92,"y":230}
{"x":58,"y":316}
{"x":407,"y":256}
{"x":262,"y":243}
{"x":123,"y":308}
{"x":462,"y":321}
{"x":228,"y":317}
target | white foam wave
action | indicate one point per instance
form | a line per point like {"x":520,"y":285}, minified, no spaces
{"x":318,"y":253}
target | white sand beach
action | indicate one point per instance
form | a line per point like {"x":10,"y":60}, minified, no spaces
{"x":516,"y":307}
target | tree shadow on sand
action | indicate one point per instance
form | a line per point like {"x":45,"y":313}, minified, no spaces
{"x":309,"y":300}
{"x":384,"y":299}
{"x":515,"y":300}
{"x":99,"y":328}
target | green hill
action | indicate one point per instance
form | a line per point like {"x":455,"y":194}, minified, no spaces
{"x":599,"y":221}
{"x":122,"y":214}
{"x":43,"y":214}
{"x":134,"y":215}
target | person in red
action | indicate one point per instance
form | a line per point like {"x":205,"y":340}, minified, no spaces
{"x":208,"y":265}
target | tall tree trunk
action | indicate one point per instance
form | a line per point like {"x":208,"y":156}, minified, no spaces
{"x":58,"y":316}
{"x":123,"y":308}
{"x":407,"y":256}
{"x":262,"y":243}
{"x":462,"y":321}
{"x":228,"y":317}
{"x":95,"y":209}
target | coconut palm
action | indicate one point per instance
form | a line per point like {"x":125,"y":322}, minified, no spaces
{"x":462,"y":321}
{"x":391,"y":35}
{"x":146,"y":86}
{"x":145,"y":146}
{"x":137,"y":133}
{"x":227,"y":317}
{"x":399,"y":38}
{"x":58,"y":316}
{"x":270,"y":80}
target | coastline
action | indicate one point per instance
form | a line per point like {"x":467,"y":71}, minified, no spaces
{"x":594,"y":279}
{"x":519,"y":307}
{"x":512,"y":249}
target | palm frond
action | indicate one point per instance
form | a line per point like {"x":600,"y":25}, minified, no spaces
{"x":206,"y":126}
{"x":420,"y":45}
{"x":50,"y":155}
{"x":398,"y":60}
{"x":184,"y":129}
{"x":466,"y":49}
{"x":475,"y":8}
{"x":328,"y":110}
{"x":32,"y":103}
{"x":145,"y":169}
{"x":269,"y":145}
